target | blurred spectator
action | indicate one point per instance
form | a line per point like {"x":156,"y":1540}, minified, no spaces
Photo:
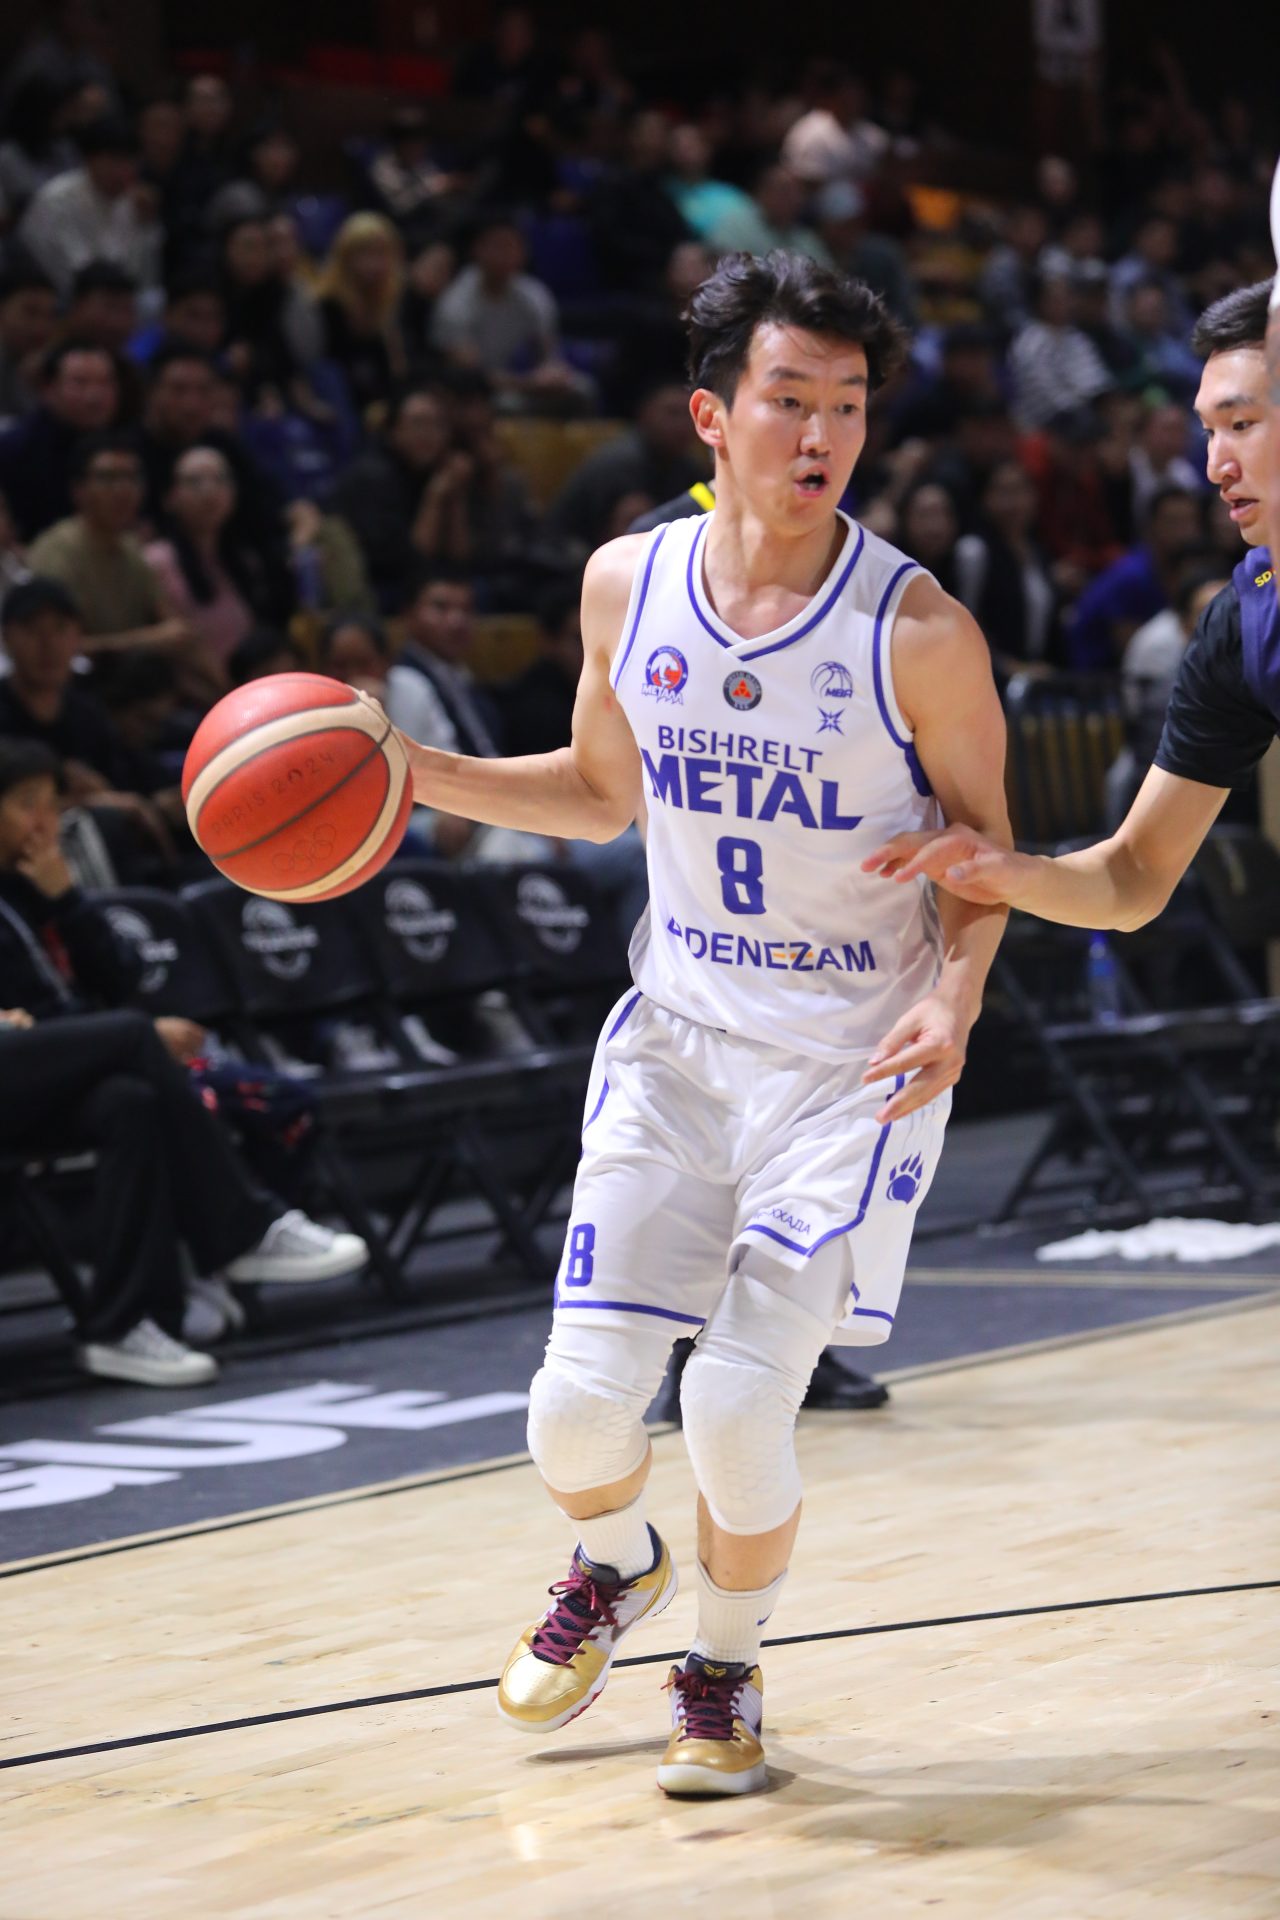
{"x":182,"y":410}
{"x":411,"y":187}
{"x":96,"y":555}
{"x":506,"y":67}
{"x":1137,"y":586}
{"x":1003,"y":575}
{"x":79,"y":393}
{"x":161,"y":130}
{"x":36,"y":146}
{"x":115,"y":1081}
{"x":263,"y":350}
{"x":1008,"y":282}
{"x":635,"y":222}
{"x":1151,"y":258}
{"x":966,"y":377}
{"x":103,"y":306}
{"x":498,"y":317}
{"x":652,"y":346}
{"x":428,"y":274}
{"x":1161,"y":356}
{"x":841,"y":209}
{"x":1092,"y":314}
{"x":1149,"y":669}
{"x":700,"y":201}
{"x":28,"y":317}
{"x":770,"y":220}
{"x":195,"y":315}
{"x":93,"y":212}
{"x":834,"y":139}
{"x":262,"y":653}
{"x":501,"y":538}
{"x":1160,"y":457}
{"x":928,"y":529}
{"x":326,"y":561}
{"x":43,"y":699}
{"x":537,"y":706}
{"x":405,"y":496}
{"x":659,"y":456}
{"x":1054,"y":367}
{"x":206,"y":161}
{"x":439,"y":631}
{"x":212,"y":583}
{"x":360,"y":293}
{"x":265,"y":179}
{"x":354,"y":648}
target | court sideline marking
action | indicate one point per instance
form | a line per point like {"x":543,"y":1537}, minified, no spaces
{"x":503,"y":1463}
{"x":640,"y":1660}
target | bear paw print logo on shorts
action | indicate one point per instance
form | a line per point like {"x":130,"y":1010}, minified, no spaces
{"x":905,"y":1178}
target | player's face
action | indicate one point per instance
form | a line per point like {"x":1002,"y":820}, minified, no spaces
{"x":798,"y":422}
{"x":1232,"y":405}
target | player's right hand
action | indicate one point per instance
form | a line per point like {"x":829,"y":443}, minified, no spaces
{"x":958,"y":859}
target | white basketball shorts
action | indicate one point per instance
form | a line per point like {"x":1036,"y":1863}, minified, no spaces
{"x":698,"y":1145}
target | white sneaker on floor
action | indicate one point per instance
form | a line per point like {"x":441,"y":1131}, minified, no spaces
{"x":211,"y":1312}
{"x":149,"y":1357}
{"x":297,"y":1248}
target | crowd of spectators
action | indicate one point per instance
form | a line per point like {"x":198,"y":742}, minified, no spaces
{"x":246,"y":424}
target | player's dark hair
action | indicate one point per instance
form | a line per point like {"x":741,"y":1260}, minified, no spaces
{"x":27,"y":760}
{"x":748,"y":291}
{"x":51,"y":362}
{"x":1239,"y":319}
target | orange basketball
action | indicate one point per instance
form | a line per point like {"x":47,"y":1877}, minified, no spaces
{"x":295,"y":788}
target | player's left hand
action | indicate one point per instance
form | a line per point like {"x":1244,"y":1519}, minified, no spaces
{"x":929,"y":1043}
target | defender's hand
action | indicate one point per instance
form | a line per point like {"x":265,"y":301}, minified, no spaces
{"x":957,"y":858}
{"x":929,"y":1043}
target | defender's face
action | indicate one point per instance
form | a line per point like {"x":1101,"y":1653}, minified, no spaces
{"x":796,"y":427}
{"x":1232,"y":405}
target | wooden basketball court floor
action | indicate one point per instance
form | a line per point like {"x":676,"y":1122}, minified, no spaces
{"x":1028,"y":1665}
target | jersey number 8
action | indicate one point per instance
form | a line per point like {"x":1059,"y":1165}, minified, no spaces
{"x":741,"y":865}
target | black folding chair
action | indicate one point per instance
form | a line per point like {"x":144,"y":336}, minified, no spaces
{"x":572,"y":959}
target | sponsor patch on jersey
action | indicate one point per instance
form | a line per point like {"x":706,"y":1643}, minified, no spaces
{"x":666,"y":675}
{"x":832,"y":682}
{"x":743,"y":691}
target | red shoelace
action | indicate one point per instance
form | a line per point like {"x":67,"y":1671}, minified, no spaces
{"x":582,"y":1604}
{"x":707,"y":1705}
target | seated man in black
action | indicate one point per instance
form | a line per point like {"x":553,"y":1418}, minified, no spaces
{"x":75,"y":1078}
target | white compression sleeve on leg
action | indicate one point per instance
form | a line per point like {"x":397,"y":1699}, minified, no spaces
{"x":587,"y":1401}
{"x":744,"y":1383}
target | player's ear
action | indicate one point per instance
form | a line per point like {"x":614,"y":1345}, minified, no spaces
{"x":707,"y":409}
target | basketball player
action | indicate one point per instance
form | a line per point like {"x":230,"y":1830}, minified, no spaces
{"x":1224,"y":711}
{"x":767,"y":1105}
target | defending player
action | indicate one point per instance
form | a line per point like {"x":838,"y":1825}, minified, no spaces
{"x":1225,"y":707}
{"x":767,"y":1106}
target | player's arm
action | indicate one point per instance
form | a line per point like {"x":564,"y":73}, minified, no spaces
{"x":1122,"y":882}
{"x":943,"y":681}
{"x":589,"y":790}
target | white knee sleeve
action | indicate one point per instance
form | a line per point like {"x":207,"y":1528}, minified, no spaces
{"x":586,"y":1404}
{"x":744,"y":1383}
{"x":739,"y":1427}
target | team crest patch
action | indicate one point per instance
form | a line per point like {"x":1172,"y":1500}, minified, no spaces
{"x":832,"y":682}
{"x":743,"y":691}
{"x":666,"y":674}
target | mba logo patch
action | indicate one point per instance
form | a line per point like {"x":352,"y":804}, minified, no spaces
{"x":743,"y":691}
{"x":666,"y":675}
{"x":832,"y":682}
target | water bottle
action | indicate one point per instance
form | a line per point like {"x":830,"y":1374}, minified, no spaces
{"x":1102,"y":982}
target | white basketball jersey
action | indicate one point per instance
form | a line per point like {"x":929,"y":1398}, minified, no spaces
{"x":772,"y":766}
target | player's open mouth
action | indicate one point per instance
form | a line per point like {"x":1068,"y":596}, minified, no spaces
{"x":1240,"y":508}
{"x":813,"y":484}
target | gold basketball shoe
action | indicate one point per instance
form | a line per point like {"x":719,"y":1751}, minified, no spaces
{"x":716,"y":1715}
{"x":562,"y":1661}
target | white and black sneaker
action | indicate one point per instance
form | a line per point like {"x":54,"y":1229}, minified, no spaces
{"x":149,"y":1357}
{"x":296,"y":1249}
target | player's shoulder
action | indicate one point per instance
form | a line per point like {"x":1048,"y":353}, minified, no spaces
{"x":610,"y":575}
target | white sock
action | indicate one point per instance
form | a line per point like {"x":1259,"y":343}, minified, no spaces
{"x":729,"y":1623}
{"x":619,"y":1539}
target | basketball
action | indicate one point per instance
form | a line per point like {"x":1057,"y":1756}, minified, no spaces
{"x":296,"y":788}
